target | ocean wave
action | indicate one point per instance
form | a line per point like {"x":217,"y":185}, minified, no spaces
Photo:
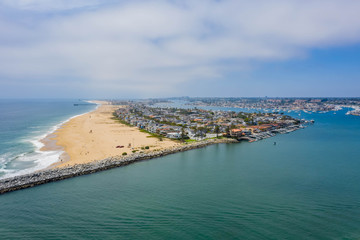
{"x":19,"y":164}
{"x":29,"y":162}
{"x":4,"y":158}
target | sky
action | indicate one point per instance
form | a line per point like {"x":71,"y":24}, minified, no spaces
{"x":165,"y":48}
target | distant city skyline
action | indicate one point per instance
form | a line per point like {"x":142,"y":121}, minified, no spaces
{"x":159,"y":48}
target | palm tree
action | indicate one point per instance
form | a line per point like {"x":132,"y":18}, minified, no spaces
{"x":217,"y":130}
{"x":183,"y":135}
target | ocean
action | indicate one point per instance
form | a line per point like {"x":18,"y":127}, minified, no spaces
{"x":23,"y":123}
{"x":304,"y":187}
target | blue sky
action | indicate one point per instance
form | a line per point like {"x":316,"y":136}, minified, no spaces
{"x":159,"y":48}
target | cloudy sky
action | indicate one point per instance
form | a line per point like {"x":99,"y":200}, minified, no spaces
{"x":159,"y":48}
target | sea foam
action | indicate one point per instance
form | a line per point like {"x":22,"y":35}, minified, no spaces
{"x":19,"y":164}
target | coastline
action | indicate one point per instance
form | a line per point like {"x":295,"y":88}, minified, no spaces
{"x":94,"y":135}
{"x":38,"y":137}
{"x":57,"y":174}
{"x":66,"y":167}
{"x":49,"y":143}
{"x":94,"y":141}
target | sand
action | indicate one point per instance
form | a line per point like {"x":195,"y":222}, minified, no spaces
{"x":96,"y":135}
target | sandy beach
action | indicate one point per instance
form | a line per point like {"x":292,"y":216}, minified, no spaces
{"x":95,"y":136}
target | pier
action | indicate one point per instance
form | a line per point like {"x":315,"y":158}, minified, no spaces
{"x":82,"y":104}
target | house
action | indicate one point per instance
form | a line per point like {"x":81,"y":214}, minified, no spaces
{"x":254,"y":129}
{"x":173,"y":135}
{"x":246,"y":132}
{"x":266,"y":127}
{"x":236,"y":132}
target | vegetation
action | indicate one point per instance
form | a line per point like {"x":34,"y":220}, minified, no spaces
{"x":217,"y":130}
{"x":120,"y":120}
{"x":160,"y":137}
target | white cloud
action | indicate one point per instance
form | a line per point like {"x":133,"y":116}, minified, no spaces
{"x":47,"y":5}
{"x":157,"y":45}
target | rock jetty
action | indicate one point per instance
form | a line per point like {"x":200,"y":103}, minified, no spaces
{"x":52,"y":175}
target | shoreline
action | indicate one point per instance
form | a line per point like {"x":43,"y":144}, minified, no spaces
{"x":57,"y":174}
{"x":103,"y":143}
{"x":49,"y":142}
{"x":48,"y":153}
{"x":95,"y":135}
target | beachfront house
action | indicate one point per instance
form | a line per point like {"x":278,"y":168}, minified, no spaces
{"x":173,"y":135}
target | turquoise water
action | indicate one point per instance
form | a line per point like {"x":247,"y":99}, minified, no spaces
{"x":22,"y":124}
{"x":305,"y":187}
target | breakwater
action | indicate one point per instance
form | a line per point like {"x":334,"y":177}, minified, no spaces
{"x":53,"y":175}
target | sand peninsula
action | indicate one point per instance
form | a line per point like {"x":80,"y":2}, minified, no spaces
{"x":96,"y":135}
{"x":90,"y":143}
{"x":97,"y":141}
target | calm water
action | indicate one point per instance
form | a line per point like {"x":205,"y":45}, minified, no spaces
{"x":305,"y":187}
{"x":22,"y":124}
